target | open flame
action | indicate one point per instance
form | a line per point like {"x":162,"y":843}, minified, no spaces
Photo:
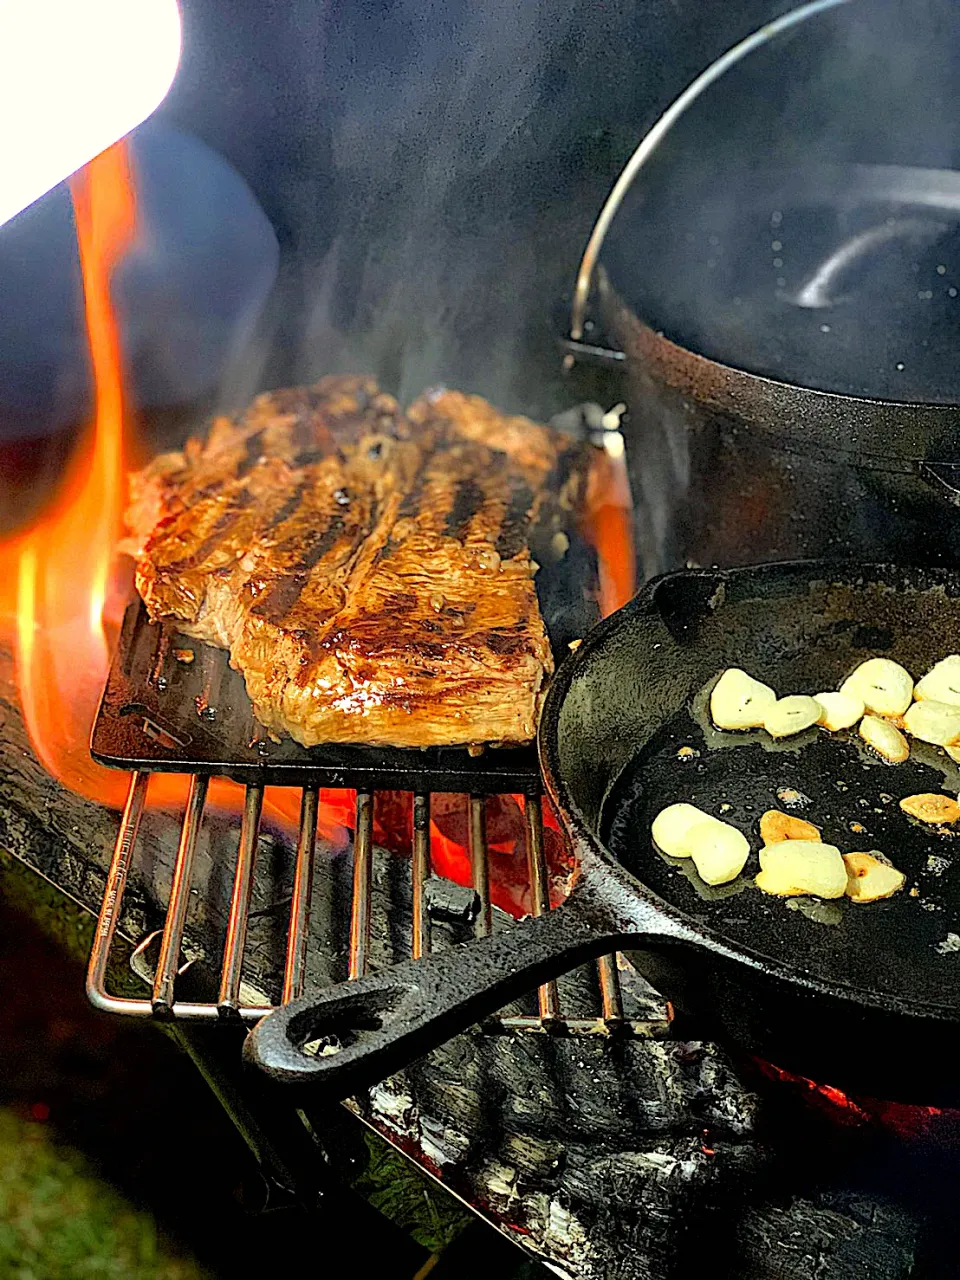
{"x":67,"y":591}
{"x":63,"y":565}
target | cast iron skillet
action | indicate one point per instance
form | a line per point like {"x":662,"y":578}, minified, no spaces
{"x":869,"y":1001}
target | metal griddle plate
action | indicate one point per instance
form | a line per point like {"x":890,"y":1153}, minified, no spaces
{"x":160,"y":715}
{"x":801,"y":636}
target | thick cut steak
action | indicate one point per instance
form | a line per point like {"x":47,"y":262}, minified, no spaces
{"x":369,"y":571}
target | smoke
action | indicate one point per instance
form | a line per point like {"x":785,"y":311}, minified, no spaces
{"x":432,"y":272}
{"x":433,"y":170}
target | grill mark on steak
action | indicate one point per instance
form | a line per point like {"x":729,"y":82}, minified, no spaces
{"x":281,"y":598}
{"x":505,"y":642}
{"x":307,"y":457}
{"x":467,"y":501}
{"x":410,"y":505}
{"x":238,"y":503}
{"x":512,"y":538}
{"x":252,"y":453}
{"x":289,"y":508}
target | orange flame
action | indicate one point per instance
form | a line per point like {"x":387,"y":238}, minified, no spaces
{"x":65,"y":562}
{"x":65,"y":572}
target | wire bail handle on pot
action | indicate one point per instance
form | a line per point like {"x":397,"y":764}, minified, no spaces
{"x":575,"y":346}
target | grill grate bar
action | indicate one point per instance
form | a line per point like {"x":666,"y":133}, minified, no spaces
{"x":228,"y":998}
{"x":297,"y":938}
{"x":480,"y":865}
{"x":167,"y":965}
{"x":229,"y":1004}
{"x":421,"y":874}
{"x":362,"y":896}
{"x":547,"y":995}
{"x":112,"y":899}
{"x":610,"y":993}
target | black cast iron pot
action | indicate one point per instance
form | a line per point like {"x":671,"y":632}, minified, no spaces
{"x":789,"y":328}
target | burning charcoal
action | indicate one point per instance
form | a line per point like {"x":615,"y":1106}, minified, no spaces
{"x":451,"y":902}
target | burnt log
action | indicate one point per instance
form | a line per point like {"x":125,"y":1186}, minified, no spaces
{"x":607,"y":1157}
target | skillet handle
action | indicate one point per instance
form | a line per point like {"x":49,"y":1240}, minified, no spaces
{"x":380,"y":1023}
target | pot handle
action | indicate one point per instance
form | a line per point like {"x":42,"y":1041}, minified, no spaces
{"x":656,"y":135}
{"x":372,"y":1027}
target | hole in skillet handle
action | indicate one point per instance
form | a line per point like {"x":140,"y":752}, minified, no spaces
{"x":298,"y":1042}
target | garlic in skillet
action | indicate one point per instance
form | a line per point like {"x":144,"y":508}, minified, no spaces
{"x":740,"y":702}
{"x":791,"y":715}
{"x":942,"y":682}
{"x":885,"y":738}
{"x":931,"y":806}
{"x":840,"y":710}
{"x":794,"y":867}
{"x":776,"y":826}
{"x":869,"y":878}
{"x":718,"y":850}
{"x":671,"y":828}
{"x":885,"y":687}
{"x":934,"y":722}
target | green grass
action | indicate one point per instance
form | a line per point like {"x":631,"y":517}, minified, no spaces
{"x":58,"y":1221}
{"x":425,"y":1211}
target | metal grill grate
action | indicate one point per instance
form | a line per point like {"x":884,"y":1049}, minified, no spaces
{"x":163,"y":1002}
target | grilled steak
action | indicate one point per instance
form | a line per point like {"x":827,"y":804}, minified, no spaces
{"x":368,"y":571}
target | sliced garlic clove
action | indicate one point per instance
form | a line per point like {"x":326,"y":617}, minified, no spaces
{"x":885,"y":738}
{"x":885,"y":687}
{"x":672,"y":826}
{"x":791,"y":715}
{"x":802,"y":866}
{"x":740,"y":702}
{"x":942,"y":682}
{"x":939,"y":810}
{"x":719,"y":851}
{"x":840,"y":710}
{"x":776,"y":826}
{"x":936,"y":722}
{"x":869,"y":879}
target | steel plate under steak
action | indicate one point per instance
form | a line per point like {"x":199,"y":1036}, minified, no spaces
{"x":162,"y":714}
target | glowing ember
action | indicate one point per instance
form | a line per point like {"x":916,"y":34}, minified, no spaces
{"x":67,"y":592}
{"x":843,"y":1109}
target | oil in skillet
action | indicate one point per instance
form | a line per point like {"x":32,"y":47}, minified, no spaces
{"x":834,"y":782}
